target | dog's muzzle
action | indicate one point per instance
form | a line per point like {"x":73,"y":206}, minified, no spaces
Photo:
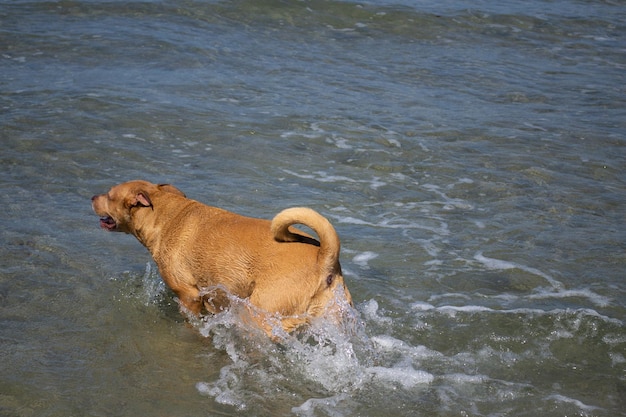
{"x":107,"y":223}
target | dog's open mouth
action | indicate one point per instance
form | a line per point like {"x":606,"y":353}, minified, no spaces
{"x":108,"y":223}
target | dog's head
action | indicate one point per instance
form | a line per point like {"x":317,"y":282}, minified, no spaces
{"x":116,"y":207}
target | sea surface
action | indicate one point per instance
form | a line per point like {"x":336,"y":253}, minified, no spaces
{"x":471,"y":155}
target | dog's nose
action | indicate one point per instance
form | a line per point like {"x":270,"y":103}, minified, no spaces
{"x":94,"y":197}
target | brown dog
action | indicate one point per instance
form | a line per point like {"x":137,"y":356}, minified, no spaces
{"x":202,"y":250}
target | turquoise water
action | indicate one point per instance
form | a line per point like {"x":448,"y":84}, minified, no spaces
{"x":471,"y":156}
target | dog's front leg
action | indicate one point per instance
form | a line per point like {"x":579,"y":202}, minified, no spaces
{"x":190,"y":303}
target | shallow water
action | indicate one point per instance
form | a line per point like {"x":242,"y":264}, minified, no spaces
{"x":471,"y":156}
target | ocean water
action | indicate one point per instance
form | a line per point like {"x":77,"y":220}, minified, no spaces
{"x":471,"y":156}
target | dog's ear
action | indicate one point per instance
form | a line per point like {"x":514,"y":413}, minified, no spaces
{"x":141,"y":199}
{"x":171,"y":189}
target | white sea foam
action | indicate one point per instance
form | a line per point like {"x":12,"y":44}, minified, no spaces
{"x":287,"y":135}
{"x":370,"y":310}
{"x":448,"y":202}
{"x":466,"y":379}
{"x":447,"y":295}
{"x":419,"y":306}
{"x":596,"y":299}
{"x":406,"y":376}
{"x":323,"y":176}
{"x":327,"y":405}
{"x":353,"y":220}
{"x":395,"y":223}
{"x":617,"y":359}
{"x":389,"y":344}
{"x":614,"y":339}
{"x":341,"y":143}
{"x":224,"y":390}
{"x":573,"y":401}
{"x":452,"y":311}
{"x":363,"y":258}
{"x":492,"y":263}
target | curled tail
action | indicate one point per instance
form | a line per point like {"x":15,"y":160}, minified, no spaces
{"x":328,"y":255}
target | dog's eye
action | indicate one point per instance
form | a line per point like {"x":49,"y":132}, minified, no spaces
{"x":329,"y":280}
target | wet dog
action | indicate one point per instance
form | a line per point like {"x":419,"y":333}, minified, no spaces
{"x":204,"y":253}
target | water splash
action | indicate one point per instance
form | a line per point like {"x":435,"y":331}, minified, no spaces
{"x":331,"y":360}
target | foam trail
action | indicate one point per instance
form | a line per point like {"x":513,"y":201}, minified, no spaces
{"x":577,"y":403}
{"x":560,"y":292}
{"x":469,"y":309}
{"x":387,"y":224}
{"x":322,"y":176}
{"x":596,"y":299}
{"x":492,"y":263}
